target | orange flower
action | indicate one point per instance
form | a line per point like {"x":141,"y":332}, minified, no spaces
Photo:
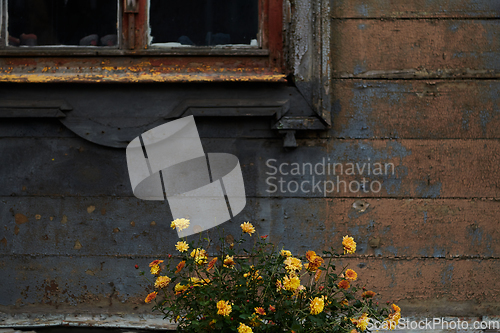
{"x":344,"y":284}
{"x":317,"y":275}
{"x":310,"y":255}
{"x":180,"y":266}
{"x":396,"y":308}
{"x":260,"y":311}
{"x":151,"y":297}
{"x":314,"y":261}
{"x":272,"y":308}
{"x":368,"y":294}
{"x":211,"y":263}
{"x":351,"y":275}
{"x":315,"y":264}
{"x":155,"y":262}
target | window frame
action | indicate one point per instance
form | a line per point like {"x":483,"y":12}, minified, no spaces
{"x":133,"y":60}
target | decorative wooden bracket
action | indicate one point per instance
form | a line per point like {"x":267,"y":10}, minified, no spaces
{"x":277,"y":109}
{"x":33,"y":108}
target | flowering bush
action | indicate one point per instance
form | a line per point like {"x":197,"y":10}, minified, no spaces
{"x":262,"y":290}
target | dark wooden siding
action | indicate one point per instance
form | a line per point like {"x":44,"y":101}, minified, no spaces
{"x":413,"y":83}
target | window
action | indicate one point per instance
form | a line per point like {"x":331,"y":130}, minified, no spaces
{"x":204,"y":22}
{"x":141,"y":40}
{"x":61,"y":22}
{"x":96,"y":23}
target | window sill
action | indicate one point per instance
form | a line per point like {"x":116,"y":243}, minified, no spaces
{"x":132,"y":69}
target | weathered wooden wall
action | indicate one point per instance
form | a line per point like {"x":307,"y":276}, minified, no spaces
{"x":413,"y":83}
{"x":417,"y":83}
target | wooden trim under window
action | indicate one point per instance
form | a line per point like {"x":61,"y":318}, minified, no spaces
{"x":138,"y":63}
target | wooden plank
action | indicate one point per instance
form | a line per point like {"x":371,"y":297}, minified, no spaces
{"x":436,"y":287}
{"x":111,"y":284}
{"x":416,"y":109}
{"x":389,"y":228}
{"x":415,"y":168}
{"x":408,"y":168}
{"x":415,"y":48}
{"x":415,"y":9}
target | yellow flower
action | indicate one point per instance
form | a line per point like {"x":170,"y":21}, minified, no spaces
{"x":345,"y":302}
{"x":194,"y":280}
{"x":248,"y":228}
{"x":180,"y":224}
{"x":349,"y":245}
{"x":155,"y":266}
{"x":162,"y":281}
{"x":291,"y":283}
{"x":317,"y":305}
{"x":199,"y":255}
{"x":151,"y":297}
{"x":260,"y":310}
{"x":179,"y":288}
{"x":396,"y":308}
{"x":351,"y":275}
{"x":362,"y":322}
{"x":155,"y":270}
{"x":182,"y":246}
{"x":393,"y":320}
{"x":286,"y":253}
{"x":254,"y":320}
{"x":292,"y":264}
{"x":229,"y":262}
{"x":224,"y":308}
{"x":244,"y":328}
{"x":279,"y":285}
{"x":254,"y":276}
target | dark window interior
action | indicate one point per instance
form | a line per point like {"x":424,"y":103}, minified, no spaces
{"x":62,"y":22}
{"x":204,"y":22}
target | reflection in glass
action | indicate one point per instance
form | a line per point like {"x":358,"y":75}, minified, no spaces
{"x":62,"y":22}
{"x":204,"y":22}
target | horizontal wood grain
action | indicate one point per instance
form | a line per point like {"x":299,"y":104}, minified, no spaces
{"x":415,"y":48}
{"x":415,"y":8}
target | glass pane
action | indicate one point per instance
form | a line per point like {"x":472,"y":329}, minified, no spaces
{"x":62,"y":22}
{"x":204,"y":22}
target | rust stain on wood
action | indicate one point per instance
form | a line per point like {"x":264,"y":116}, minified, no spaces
{"x":20,"y":218}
